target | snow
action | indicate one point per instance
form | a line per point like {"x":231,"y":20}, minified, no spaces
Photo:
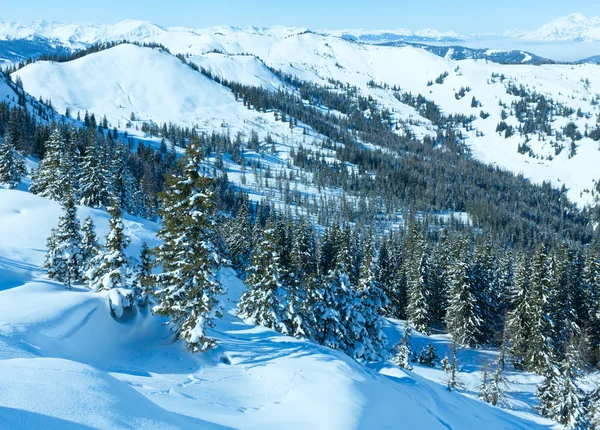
{"x":66,"y":363}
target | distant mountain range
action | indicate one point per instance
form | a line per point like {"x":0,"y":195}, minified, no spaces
{"x":20,"y":40}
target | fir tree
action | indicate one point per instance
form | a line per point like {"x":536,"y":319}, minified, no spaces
{"x":484,"y":388}
{"x":372,"y":300}
{"x":539,"y":352}
{"x":461,"y":316}
{"x":109,"y":269}
{"x":402,"y":357}
{"x":94,"y":177}
{"x":519,"y":318}
{"x":417,"y":307}
{"x":264,"y":300}
{"x":428,"y":356}
{"x":239,"y":240}
{"x":12,"y":166}
{"x":64,"y":259}
{"x":143,"y":276}
{"x":89,"y":244}
{"x":188,"y":289}
{"x":51,"y":178}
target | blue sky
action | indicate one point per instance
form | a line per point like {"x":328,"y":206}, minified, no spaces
{"x":466,"y":16}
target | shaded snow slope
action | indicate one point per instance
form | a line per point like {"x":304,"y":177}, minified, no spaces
{"x":66,"y":363}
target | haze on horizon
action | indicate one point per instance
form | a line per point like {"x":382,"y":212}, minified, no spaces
{"x":466,"y":17}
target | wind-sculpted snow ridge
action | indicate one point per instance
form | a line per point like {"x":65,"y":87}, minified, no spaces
{"x":66,"y":363}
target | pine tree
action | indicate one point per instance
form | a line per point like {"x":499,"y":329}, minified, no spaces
{"x":539,"y":352}
{"x":12,"y":166}
{"x":453,"y":382}
{"x":402,"y":357}
{"x":519,"y":318}
{"x":89,"y":244}
{"x":143,"y":277}
{"x":417,"y":309}
{"x":570,"y":408}
{"x":304,"y":266}
{"x":428,"y":356}
{"x":109,"y":269}
{"x":120,"y":181}
{"x":64,"y":259}
{"x":461,"y":316}
{"x":239,"y":240}
{"x":188,"y":288}
{"x":51,"y":178}
{"x":264,"y":300}
{"x":484,"y":388}
{"x":372,"y":300}
{"x":94,"y":177}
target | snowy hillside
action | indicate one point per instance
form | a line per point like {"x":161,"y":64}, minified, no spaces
{"x":85,"y":368}
{"x":575,"y":27}
{"x":158,"y":87}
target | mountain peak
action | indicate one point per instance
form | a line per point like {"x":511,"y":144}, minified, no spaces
{"x":576,"y":27}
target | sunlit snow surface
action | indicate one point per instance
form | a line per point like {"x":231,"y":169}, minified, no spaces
{"x":66,"y":363}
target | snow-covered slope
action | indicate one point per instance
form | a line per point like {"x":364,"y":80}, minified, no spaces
{"x":116,"y":82}
{"x":576,"y":27}
{"x":158,"y":87}
{"x":66,"y":363}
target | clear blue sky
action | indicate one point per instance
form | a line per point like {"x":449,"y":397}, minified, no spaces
{"x":466,"y":16}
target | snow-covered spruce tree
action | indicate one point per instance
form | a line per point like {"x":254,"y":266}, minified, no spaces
{"x":300,"y":290}
{"x":461,"y":316}
{"x":12,"y":166}
{"x":484,"y":387}
{"x":49,"y":180}
{"x":565,"y":281}
{"x":483,"y":287}
{"x":372,"y":299}
{"x":143,"y":277}
{"x":417,"y":309}
{"x":89,"y":244}
{"x":591,"y":282}
{"x":239,"y":240}
{"x":109,"y":269}
{"x":453,"y":382}
{"x":331,"y":294}
{"x":539,"y":349}
{"x":187,"y":291}
{"x":519,"y":318}
{"x":64,"y":259}
{"x":94,"y":176}
{"x":264,"y":300}
{"x":120,"y":181}
{"x":402,"y":357}
{"x":390,"y":279}
{"x":548,"y":391}
{"x":569,"y":408}
{"x":428,"y":356}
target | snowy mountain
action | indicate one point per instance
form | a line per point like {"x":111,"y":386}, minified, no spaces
{"x":162,"y":89}
{"x":404,"y":34}
{"x":575,"y":27}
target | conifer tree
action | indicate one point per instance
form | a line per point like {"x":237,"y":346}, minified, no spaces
{"x":417,"y":309}
{"x":539,"y":350}
{"x":143,"y":276}
{"x":372,"y":300}
{"x":89,"y":244}
{"x":484,"y":388}
{"x":462,"y":320}
{"x":402,"y":357}
{"x":264,"y":300}
{"x":570,"y":408}
{"x":187,"y":291}
{"x":12,"y":166}
{"x":64,"y":259}
{"x":94,"y":177}
{"x":50,"y":179}
{"x":239,"y":240}
{"x":519,"y":318}
{"x":109,"y":269}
